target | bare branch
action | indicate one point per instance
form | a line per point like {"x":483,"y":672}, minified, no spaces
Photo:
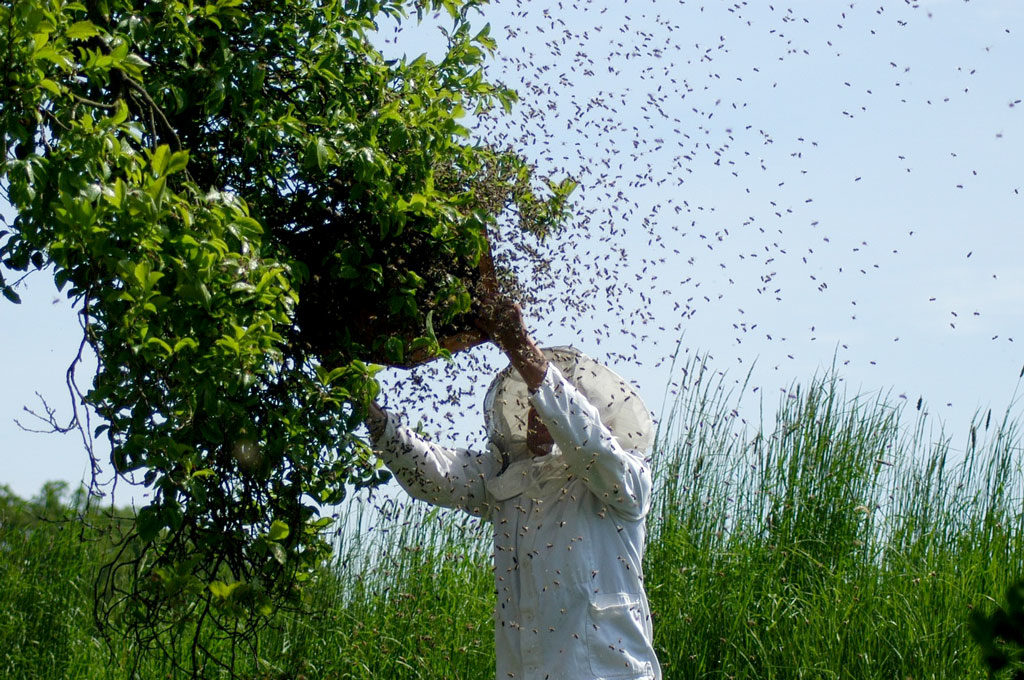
{"x":48,"y":418}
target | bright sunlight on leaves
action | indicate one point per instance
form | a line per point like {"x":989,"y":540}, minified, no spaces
{"x":252,"y":208}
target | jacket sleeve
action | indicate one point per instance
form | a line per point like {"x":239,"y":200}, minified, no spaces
{"x":616,"y":476}
{"x":452,"y":478}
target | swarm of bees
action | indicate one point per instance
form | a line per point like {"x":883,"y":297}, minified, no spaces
{"x":744,"y":166}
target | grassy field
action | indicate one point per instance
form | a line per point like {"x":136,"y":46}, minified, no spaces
{"x":849,"y":538}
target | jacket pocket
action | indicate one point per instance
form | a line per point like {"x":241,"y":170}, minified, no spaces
{"x":616,"y":644}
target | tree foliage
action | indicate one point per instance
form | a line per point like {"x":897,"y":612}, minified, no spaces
{"x":252,"y":206}
{"x":1000,"y":635}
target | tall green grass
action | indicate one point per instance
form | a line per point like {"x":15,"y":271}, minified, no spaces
{"x":841,"y":543}
{"x":848,"y":538}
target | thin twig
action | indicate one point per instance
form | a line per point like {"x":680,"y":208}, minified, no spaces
{"x":53,"y":119}
{"x":84,"y":100}
{"x":85,"y":428}
{"x":50,"y":420}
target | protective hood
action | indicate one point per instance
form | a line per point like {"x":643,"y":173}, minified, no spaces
{"x":507,"y":404}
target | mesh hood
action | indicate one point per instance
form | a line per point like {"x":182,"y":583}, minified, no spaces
{"x":507,"y":405}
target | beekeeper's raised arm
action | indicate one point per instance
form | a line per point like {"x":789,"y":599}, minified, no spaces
{"x":601,"y":428}
{"x":449,"y":477}
{"x":453,"y":477}
{"x":502,"y":320}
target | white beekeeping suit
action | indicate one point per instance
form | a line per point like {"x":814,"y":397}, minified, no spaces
{"x":568,"y":526}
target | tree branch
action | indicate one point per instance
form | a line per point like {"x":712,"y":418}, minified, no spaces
{"x":154,"y":109}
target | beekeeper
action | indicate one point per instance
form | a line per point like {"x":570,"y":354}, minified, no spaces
{"x":565,"y":485}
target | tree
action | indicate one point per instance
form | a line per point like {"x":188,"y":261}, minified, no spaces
{"x":252,"y":207}
{"x":1000,"y":635}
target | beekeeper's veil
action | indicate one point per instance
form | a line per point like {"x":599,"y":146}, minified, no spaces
{"x":507,"y":406}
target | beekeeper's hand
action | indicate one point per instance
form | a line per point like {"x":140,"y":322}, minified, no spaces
{"x":502,"y":320}
{"x":376,"y":421}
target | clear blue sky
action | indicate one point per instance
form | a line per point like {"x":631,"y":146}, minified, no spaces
{"x":777,"y":185}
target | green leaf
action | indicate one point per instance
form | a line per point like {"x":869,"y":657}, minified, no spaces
{"x":278,"y":531}
{"x":417,"y":204}
{"x":246,"y":228}
{"x":395,"y":348}
{"x":48,"y":84}
{"x":159,"y":160}
{"x":39,"y":40}
{"x":80,"y":30}
{"x":453,"y":8}
{"x":430,"y":326}
{"x":177,"y":162}
{"x":323,"y":153}
{"x":121,"y":115}
{"x":485,"y":39}
{"x":48,"y":53}
{"x":223,"y":590}
{"x":230,"y":343}
{"x":149,"y":523}
{"x":155,"y":189}
{"x":153,"y":341}
{"x":133,"y":64}
{"x":141,"y":272}
{"x":185,"y":343}
{"x":267,"y":278}
{"x":347,"y":271}
{"x":115,"y":196}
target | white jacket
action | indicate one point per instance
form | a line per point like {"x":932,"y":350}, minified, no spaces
{"x":568,"y":539}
